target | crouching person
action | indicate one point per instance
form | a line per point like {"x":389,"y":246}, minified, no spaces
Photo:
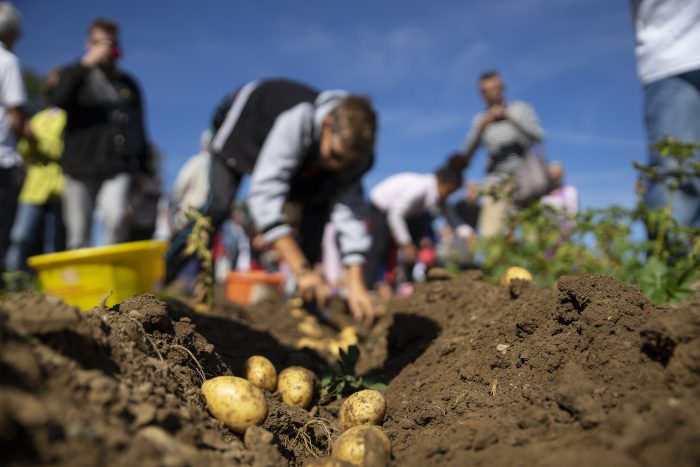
{"x":396,"y":200}
{"x":304,"y":147}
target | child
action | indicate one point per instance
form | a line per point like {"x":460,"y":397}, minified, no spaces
{"x":402,"y":196}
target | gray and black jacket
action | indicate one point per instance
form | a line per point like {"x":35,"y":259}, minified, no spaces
{"x":280,"y":149}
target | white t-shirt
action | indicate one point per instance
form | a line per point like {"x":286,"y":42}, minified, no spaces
{"x":668,"y":37}
{"x":12,"y":94}
{"x":403,"y":195}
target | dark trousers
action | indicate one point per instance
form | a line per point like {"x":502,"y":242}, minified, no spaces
{"x":10,"y":185}
{"x":381,"y":246}
{"x":419,"y":227}
{"x":38,"y":228}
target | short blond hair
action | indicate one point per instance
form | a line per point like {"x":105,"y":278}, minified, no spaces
{"x":355,"y":124}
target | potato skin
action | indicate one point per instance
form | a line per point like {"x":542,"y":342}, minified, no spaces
{"x":296,"y":385}
{"x":261,"y":372}
{"x":366,"y":407}
{"x":326,"y":462}
{"x":235,"y":401}
{"x":362,"y":443}
{"x":515,"y":272}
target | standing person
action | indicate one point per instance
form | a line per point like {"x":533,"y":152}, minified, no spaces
{"x":397,"y":198}
{"x":508,"y":130}
{"x":304,"y":147}
{"x":104,"y":138}
{"x":39,"y":220}
{"x":12,"y":100}
{"x":668,"y":61}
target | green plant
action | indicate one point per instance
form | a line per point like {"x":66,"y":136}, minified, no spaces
{"x":19,"y":281}
{"x":341,"y":380}
{"x":601,"y":241}
{"x":198,"y":244}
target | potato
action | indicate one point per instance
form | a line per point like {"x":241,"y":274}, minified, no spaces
{"x":319,"y":345}
{"x":261,"y":372}
{"x":296,"y":385}
{"x":298,"y":313}
{"x":348,"y":336}
{"x":366,"y":407}
{"x":309,"y":327}
{"x":235,"y":401}
{"x":515,"y":272}
{"x":326,"y":462}
{"x":363,"y":445}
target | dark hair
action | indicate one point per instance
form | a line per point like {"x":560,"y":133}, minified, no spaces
{"x":451,"y":171}
{"x":108,"y":25}
{"x":488,"y":74}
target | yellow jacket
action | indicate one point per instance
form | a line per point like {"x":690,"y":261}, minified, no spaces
{"x":44,"y":175}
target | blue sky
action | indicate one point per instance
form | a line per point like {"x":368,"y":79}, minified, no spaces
{"x":572,"y":60}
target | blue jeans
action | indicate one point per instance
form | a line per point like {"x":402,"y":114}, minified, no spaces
{"x":38,"y":228}
{"x":672,"y":108}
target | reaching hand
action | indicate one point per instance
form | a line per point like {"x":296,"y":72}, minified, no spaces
{"x":497,"y":112}
{"x":361,"y":304}
{"x":311,"y":286}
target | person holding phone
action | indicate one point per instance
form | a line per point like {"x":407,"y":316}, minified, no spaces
{"x":105,"y":139}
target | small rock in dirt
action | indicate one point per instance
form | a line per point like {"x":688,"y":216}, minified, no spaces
{"x":438,"y":274}
{"x":143,"y":414}
{"x":503,"y":348}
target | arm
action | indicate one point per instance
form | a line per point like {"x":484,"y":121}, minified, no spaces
{"x":13,"y":96}
{"x":473,"y":138}
{"x":64,"y":93}
{"x":348,"y":218}
{"x":525,"y":120}
{"x":17,"y":121}
{"x":396,"y":217}
{"x":280,"y":155}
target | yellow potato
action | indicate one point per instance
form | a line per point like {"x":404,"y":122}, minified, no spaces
{"x":319,"y":345}
{"x":348,"y":335}
{"x":296,"y":385}
{"x":235,"y":401}
{"x":366,"y":407}
{"x":326,"y":462}
{"x":261,"y":372}
{"x":298,"y":313}
{"x":363,"y":445}
{"x":515,"y":272}
{"x":310,"y":327}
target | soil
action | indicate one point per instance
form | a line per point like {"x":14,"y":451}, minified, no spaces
{"x":587,"y":373}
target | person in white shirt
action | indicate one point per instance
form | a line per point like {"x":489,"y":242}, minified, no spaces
{"x":668,"y":59}
{"x":12,"y":124}
{"x":562,"y":198}
{"x":398,"y":198}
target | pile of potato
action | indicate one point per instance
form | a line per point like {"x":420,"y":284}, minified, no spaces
{"x":240,"y":403}
{"x":314,"y":338}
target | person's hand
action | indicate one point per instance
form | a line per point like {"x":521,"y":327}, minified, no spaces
{"x":312,"y":287}
{"x":498,"y":112}
{"x":98,"y":53}
{"x":360,"y":302}
{"x":409,"y":253}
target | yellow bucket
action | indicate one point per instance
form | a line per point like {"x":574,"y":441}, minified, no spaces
{"x":83,"y":277}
